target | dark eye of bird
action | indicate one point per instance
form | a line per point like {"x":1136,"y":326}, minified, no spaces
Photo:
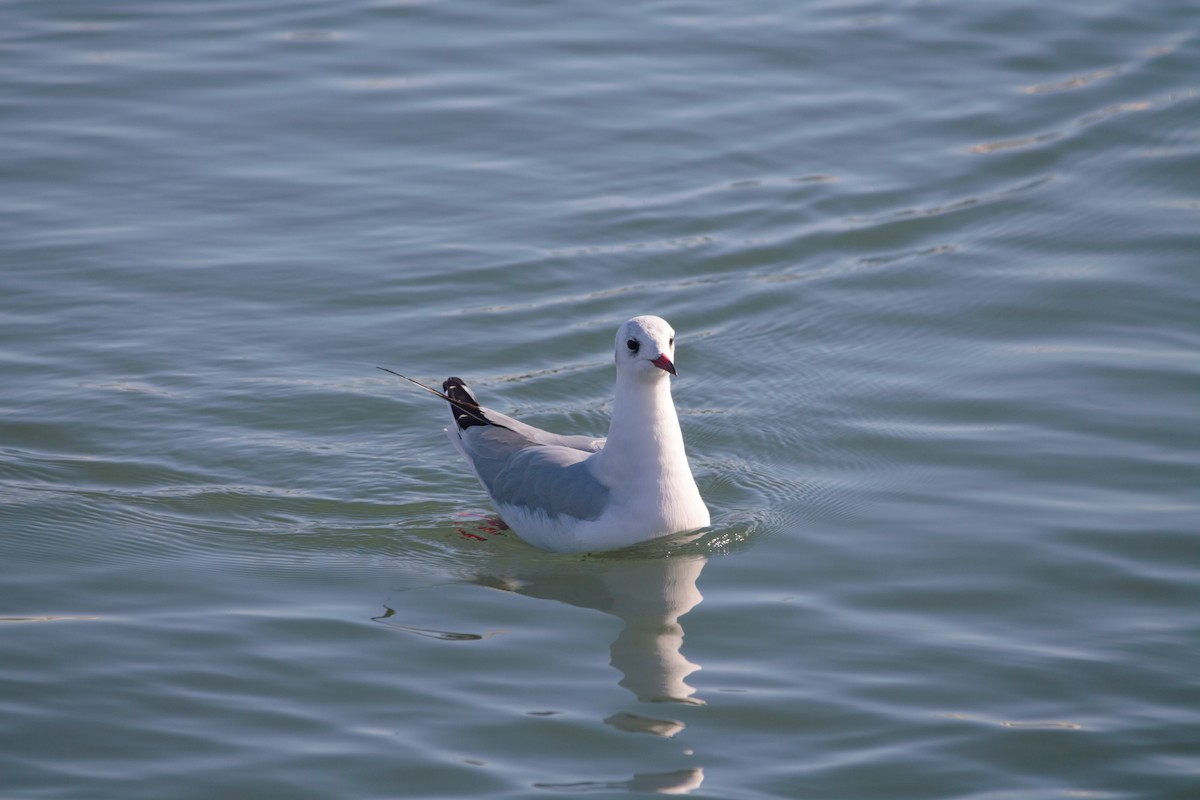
{"x":633,"y":345}
{"x":672,"y":342}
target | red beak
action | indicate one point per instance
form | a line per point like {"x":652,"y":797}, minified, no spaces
{"x":662,"y":362}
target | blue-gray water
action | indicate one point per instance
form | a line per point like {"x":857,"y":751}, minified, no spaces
{"x":933,"y":268}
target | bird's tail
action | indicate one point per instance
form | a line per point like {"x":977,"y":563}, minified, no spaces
{"x":463,"y":405}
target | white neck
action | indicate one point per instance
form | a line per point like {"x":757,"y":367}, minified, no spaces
{"x":644,"y":439}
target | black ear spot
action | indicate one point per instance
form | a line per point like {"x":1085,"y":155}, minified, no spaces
{"x":633,"y":345}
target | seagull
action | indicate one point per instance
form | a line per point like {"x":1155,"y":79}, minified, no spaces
{"x":579,"y":493}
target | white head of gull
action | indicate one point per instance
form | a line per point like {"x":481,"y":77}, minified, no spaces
{"x":577,"y":493}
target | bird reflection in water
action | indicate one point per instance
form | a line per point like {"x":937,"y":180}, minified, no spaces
{"x":648,"y":595}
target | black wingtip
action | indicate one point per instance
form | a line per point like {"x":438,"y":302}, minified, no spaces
{"x":463,"y":404}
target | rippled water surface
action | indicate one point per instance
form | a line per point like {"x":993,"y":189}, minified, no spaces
{"x":933,"y":268}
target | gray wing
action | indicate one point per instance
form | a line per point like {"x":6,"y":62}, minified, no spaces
{"x":534,"y":468}
{"x":589,"y":444}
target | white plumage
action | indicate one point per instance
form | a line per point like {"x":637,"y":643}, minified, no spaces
{"x":577,"y":493}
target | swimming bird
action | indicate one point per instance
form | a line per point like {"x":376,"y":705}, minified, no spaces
{"x":579,"y":493}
